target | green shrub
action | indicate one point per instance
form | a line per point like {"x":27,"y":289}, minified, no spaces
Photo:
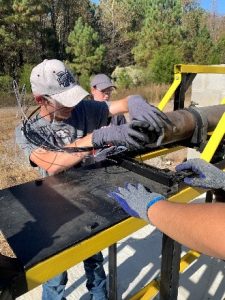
{"x":84,"y":81}
{"x":25,"y":77}
{"x":131,"y":76}
{"x":6,"y":83}
{"x":162,"y":64}
{"x":124,"y":80}
{"x":124,"y":77}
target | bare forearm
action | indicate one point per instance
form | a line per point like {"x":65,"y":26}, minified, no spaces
{"x":198,"y":226}
{"x":54,"y":162}
{"x":118,"y":106}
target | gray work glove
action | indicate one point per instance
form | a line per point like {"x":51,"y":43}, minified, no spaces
{"x":209,"y":176}
{"x":140,"y":110}
{"x":132,"y":135}
{"x":108,"y":152}
{"x":136,"y":200}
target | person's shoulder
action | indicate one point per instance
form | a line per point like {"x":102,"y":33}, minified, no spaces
{"x":18,"y":130}
{"x":91,"y":104}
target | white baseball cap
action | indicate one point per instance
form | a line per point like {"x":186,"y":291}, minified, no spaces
{"x":52,"y":78}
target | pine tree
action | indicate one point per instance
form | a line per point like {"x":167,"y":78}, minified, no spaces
{"x":119,"y":20}
{"x":162,"y":26}
{"x":84,"y":49}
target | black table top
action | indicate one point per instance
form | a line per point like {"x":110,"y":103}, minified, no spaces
{"x":42,"y":218}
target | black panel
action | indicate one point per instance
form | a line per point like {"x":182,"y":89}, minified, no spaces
{"x":40,"y":219}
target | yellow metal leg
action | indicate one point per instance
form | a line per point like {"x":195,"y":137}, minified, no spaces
{"x":157,"y":153}
{"x":170,"y":92}
{"x":222,"y":101}
{"x":152,"y":289}
{"x":214,"y":140}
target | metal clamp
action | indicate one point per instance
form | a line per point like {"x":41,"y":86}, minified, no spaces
{"x":199,"y":137}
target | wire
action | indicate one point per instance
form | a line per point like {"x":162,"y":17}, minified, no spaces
{"x":39,"y":138}
{"x":20,"y":98}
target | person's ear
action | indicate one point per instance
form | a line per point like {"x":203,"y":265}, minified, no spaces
{"x":93,"y":89}
{"x":40,"y":100}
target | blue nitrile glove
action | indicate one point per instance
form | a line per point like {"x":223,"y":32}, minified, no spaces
{"x":209,"y":176}
{"x":129,"y":135}
{"x":136,"y":200}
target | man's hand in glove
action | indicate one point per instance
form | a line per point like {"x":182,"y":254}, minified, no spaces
{"x":133,"y":135}
{"x":140,"y":110}
{"x":136,"y":200}
{"x":208,"y":176}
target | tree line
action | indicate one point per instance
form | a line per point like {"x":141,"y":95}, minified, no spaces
{"x":137,"y":41}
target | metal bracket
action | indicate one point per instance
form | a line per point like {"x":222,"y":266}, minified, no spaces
{"x":198,"y":140}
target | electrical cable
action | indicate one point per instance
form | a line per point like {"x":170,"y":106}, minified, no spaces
{"x":35,"y":137}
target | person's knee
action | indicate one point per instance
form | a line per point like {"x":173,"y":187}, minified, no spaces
{"x":95,"y":259}
{"x":60,"y":279}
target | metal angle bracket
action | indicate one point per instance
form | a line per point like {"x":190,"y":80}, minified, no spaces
{"x":172,"y":180}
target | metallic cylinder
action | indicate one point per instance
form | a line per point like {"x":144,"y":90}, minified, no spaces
{"x":183,"y":126}
{"x":213,"y":114}
{"x":185,"y":122}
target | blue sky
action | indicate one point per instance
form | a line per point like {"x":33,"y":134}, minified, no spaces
{"x":220,"y":5}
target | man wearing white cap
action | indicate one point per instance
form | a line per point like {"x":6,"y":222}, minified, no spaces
{"x":101,"y":90}
{"x":62,"y":133}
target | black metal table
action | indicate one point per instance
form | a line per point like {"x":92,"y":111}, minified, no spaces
{"x":48,"y":220}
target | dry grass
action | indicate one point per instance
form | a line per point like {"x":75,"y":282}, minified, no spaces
{"x":13,"y":168}
{"x":5,"y":248}
{"x":152,"y":92}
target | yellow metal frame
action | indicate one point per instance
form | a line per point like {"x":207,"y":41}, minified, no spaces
{"x":184,"y":196}
{"x":157,"y":153}
{"x":62,"y":261}
{"x":199,"y":69}
{"x":178,"y":71}
{"x":171,"y":91}
{"x":214,"y":140}
{"x":152,"y":289}
{"x":194,"y":69}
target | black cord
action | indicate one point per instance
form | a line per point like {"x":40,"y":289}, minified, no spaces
{"x":35,"y":138}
